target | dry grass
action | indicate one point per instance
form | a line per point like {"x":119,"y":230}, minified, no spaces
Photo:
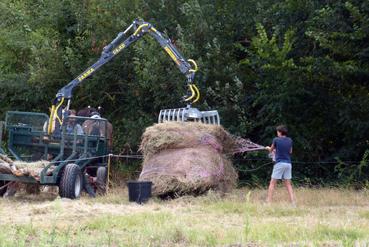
{"x":324,"y":217}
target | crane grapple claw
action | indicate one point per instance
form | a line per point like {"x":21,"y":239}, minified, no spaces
{"x":189,"y":114}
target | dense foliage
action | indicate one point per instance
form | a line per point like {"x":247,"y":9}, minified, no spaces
{"x":304,"y":63}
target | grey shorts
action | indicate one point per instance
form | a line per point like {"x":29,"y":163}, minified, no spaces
{"x":282,"y":170}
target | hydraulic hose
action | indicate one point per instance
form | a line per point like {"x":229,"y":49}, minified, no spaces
{"x":53,"y":113}
{"x":197,"y":93}
{"x":139,"y":28}
{"x":195,"y":69}
{"x":193,"y":93}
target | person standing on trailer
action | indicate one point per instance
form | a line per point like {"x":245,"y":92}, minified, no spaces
{"x":282,"y":169}
{"x":72,"y":124}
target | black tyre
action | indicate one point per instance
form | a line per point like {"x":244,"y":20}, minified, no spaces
{"x":3,"y":190}
{"x":101,"y":179}
{"x":71,"y":182}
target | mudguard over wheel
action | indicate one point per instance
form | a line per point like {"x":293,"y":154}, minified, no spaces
{"x":101,"y":178}
{"x":71,"y":182}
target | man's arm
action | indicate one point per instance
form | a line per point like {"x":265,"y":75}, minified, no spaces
{"x":272,"y":148}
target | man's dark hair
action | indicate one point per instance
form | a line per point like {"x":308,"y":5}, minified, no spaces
{"x":283,"y":129}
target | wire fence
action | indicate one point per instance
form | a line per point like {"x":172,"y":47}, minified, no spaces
{"x":257,"y":171}
{"x":251,"y":170}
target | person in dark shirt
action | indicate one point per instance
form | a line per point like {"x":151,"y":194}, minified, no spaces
{"x":282,"y":169}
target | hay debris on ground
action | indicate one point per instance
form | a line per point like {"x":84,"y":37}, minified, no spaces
{"x":187,"y":158}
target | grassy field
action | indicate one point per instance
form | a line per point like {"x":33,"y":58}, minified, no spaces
{"x":323,"y":217}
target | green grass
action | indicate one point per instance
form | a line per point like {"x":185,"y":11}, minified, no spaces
{"x":240,"y":219}
{"x":364,"y":214}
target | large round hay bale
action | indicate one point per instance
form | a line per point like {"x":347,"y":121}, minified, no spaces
{"x":187,"y":158}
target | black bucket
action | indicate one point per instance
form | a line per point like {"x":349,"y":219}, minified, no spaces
{"x":139,"y":191}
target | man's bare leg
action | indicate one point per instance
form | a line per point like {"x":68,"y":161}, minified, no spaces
{"x":288,"y":185}
{"x":272,"y":184}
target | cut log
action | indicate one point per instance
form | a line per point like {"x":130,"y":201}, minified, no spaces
{"x":20,"y":168}
{"x":5,"y":168}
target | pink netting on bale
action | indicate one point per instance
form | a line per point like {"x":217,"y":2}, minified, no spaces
{"x":187,"y":158}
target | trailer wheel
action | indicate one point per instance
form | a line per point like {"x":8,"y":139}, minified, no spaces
{"x":3,"y":190}
{"x":71,"y":182}
{"x":101,"y":177}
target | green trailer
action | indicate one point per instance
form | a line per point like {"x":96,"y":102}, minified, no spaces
{"x":78,"y":160}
